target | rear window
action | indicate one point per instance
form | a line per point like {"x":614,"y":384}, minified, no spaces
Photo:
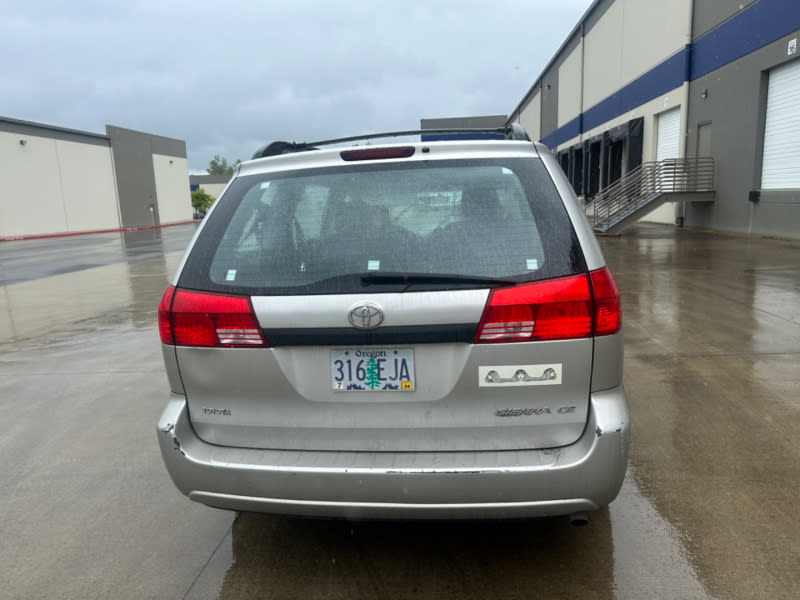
{"x":317,"y":231}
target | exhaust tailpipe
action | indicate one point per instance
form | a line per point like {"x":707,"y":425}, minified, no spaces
{"x":579,"y":519}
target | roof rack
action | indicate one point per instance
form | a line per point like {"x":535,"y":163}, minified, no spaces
{"x":513,"y":131}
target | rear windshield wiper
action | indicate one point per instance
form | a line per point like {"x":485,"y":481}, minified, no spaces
{"x":433,"y":278}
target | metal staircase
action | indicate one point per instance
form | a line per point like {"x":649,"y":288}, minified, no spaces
{"x":647,"y":187}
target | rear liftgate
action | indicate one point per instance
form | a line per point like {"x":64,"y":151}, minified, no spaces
{"x":511,"y":371}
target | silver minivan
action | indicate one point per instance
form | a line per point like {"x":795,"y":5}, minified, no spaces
{"x":410,"y":330}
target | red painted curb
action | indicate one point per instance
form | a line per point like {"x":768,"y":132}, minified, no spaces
{"x":43,"y":236}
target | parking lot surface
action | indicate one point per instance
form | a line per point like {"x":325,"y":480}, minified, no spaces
{"x":712,"y":329}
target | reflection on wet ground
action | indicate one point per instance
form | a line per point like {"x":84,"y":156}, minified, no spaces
{"x":628,"y":552}
{"x":83,"y":298}
{"x":712,"y":327}
{"x":26,"y":260}
{"x":713,"y":375}
{"x":388,"y":560}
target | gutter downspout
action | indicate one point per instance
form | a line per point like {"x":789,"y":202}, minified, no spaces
{"x":580,"y":111}
{"x":681,"y":216}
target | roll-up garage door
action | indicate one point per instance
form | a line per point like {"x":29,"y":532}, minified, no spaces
{"x":780,"y":168}
{"x":668,"y":137}
{"x":669,"y":134}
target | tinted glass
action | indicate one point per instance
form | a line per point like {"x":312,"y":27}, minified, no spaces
{"x":317,"y":231}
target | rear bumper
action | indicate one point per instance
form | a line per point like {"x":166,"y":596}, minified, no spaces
{"x":394,"y":485}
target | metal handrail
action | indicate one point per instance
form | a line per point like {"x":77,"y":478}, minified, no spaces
{"x":649,"y":180}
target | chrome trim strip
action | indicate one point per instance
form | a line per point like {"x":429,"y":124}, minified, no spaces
{"x":209,"y":497}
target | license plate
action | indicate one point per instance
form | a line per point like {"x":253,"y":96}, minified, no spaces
{"x":373,"y":370}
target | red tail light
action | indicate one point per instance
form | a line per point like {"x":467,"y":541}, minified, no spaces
{"x":607,"y":309}
{"x":556,"y":309}
{"x":164,"y":321}
{"x":209,"y":320}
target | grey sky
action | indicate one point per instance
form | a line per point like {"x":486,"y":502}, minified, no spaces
{"x":229,"y":76}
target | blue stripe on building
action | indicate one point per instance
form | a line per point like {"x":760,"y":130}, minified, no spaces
{"x":753,"y":28}
{"x":564,"y":133}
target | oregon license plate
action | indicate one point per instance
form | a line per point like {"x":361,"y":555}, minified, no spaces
{"x":373,"y":370}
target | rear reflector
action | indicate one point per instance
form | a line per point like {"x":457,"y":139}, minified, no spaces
{"x":377,"y":153}
{"x":208,"y":320}
{"x":607,"y":309}
{"x":164,"y":321}
{"x":555,"y":309}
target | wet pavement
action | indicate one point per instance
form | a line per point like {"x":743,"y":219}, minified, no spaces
{"x":26,"y":260}
{"x":712,"y":328}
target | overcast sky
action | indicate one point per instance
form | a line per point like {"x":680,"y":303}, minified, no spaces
{"x":230,"y":76}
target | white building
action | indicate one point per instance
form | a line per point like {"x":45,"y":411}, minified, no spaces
{"x":62,"y":181}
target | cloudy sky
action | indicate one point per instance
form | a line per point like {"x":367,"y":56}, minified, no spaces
{"x":229,"y":76}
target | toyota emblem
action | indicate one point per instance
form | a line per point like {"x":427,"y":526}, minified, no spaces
{"x":365,"y":316}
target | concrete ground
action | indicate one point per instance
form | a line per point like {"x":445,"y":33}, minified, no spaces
{"x":712,"y":328}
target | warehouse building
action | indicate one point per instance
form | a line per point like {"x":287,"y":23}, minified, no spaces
{"x":56,"y":181}
{"x":212,"y":185}
{"x":475,"y":122}
{"x":677,"y":111}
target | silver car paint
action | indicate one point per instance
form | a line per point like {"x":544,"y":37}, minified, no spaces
{"x":331,"y":310}
{"x":449,"y":410}
{"x":171,"y":367}
{"x":607,"y":362}
{"x":441,"y":485}
{"x":436,"y":151}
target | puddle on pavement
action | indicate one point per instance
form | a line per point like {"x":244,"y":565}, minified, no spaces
{"x":62,"y":305}
{"x":650,"y":558}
